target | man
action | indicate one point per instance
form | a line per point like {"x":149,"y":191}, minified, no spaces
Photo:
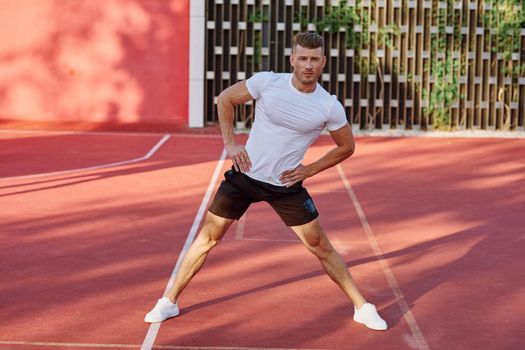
{"x":291,"y":112}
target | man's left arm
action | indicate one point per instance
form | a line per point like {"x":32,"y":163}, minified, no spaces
{"x":345,"y":147}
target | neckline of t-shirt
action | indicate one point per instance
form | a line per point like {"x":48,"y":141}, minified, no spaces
{"x":298,"y":91}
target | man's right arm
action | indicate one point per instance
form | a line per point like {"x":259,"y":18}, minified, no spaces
{"x":229,"y":98}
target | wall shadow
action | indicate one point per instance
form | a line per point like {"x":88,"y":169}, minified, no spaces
{"x":125,"y":63}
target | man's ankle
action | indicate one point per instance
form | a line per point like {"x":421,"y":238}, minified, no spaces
{"x":359,"y":303}
{"x":172,"y":299}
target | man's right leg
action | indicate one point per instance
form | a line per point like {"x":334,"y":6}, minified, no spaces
{"x":209,"y":236}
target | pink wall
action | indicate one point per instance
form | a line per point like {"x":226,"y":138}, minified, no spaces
{"x":91,"y":61}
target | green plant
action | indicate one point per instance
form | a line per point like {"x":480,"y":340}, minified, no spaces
{"x":301,"y":17}
{"x":258,"y":17}
{"x":507,"y":17}
{"x":502,"y":24}
{"x":344,"y":16}
{"x":341,"y":16}
{"x":443,"y":67}
{"x":257,"y":48}
{"x":386,"y":34}
{"x":444,"y":92}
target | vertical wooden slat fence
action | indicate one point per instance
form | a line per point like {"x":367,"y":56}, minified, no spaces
{"x":399,"y":64}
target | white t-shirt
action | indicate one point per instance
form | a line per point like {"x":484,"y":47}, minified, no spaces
{"x":287,"y":121}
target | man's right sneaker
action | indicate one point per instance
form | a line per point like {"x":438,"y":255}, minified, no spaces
{"x":163,"y":310}
{"x":367,"y":315}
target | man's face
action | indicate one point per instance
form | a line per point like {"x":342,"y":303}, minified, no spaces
{"x":308,"y":64}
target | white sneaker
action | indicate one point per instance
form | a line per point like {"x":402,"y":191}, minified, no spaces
{"x":368,"y":316}
{"x":163,"y":310}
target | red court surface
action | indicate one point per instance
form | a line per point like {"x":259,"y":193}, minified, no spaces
{"x":92,"y":226}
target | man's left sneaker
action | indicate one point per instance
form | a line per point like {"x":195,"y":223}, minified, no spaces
{"x":163,"y":310}
{"x":367,"y":315}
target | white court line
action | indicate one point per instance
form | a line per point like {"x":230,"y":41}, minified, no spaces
{"x":72,"y":132}
{"x":136,"y":346}
{"x":147,"y":156}
{"x":68,"y":345}
{"x":400,"y":299}
{"x":153,"y":330}
{"x":105,"y":133}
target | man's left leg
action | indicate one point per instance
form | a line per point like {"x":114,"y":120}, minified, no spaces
{"x":314,"y":238}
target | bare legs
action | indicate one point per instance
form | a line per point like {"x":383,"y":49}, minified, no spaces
{"x":311,"y":234}
{"x":314,"y":238}
{"x":210,"y":235}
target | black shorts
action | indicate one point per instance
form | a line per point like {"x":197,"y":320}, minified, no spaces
{"x":237,"y":191}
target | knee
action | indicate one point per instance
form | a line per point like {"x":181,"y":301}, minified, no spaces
{"x":207,"y":238}
{"x":210,"y":235}
{"x":312,"y":239}
{"x":318,"y":244}
{"x":206,"y":241}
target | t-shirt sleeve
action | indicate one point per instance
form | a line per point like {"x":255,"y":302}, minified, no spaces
{"x":337,"y":117}
{"x":257,"y":82}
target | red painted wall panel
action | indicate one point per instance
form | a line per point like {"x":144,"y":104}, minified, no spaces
{"x":95,"y":61}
